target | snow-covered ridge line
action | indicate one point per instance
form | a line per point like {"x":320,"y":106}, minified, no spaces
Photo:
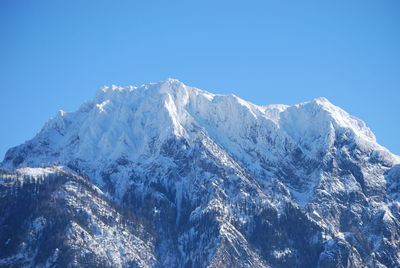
{"x":33,"y":172}
{"x":166,"y":175}
{"x":133,"y":123}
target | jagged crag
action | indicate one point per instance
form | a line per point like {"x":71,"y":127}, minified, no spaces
{"x":166,"y":175}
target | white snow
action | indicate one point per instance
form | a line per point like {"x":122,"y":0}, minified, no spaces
{"x":132,"y":123}
{"x":132,"y":132}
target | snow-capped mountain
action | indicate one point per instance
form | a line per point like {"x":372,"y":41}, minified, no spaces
{"x":167,"y":175}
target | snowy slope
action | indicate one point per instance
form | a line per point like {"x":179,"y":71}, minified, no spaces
{"x":132,"y":124}
{"x":221,"y":181}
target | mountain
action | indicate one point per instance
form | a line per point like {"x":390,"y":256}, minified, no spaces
{"x":167,"y":175}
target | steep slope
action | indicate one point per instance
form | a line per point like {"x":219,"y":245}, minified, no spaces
{"x":214,"y":181}
{"x":51,"y":216}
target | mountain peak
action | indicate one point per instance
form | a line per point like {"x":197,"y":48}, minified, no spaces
{"x":171,"y":81}
{"x":136,"y":121}
{"x":194,"y":172}
{"x":321,"y":100}
{"x":170,"y":86}
{"x":319,"y":103}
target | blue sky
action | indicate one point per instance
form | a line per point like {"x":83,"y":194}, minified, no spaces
{"x":56,"y":54}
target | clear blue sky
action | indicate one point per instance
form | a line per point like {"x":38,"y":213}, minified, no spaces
{"x":56,"y":54}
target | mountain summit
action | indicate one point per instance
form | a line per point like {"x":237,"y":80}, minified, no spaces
{"x":167,"y":175}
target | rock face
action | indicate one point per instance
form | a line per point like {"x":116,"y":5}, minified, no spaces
{"x":166,"y":175}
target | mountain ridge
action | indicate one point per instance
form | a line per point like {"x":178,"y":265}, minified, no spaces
{"x":172,"y":88}
{"x":209,"y":180}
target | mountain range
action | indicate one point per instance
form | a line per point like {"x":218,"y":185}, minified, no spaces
{"x":167,"y":175}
